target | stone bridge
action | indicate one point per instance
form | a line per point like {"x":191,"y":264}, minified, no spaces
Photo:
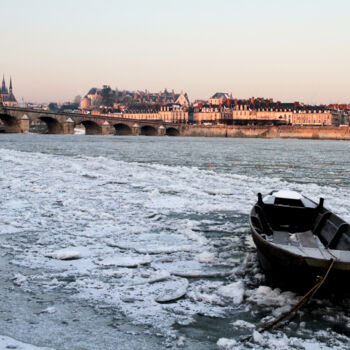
{"x":21,"y":120}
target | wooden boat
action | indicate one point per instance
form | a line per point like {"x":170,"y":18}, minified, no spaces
{"x":296,"y":240}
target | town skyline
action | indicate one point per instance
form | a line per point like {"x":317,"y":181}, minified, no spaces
{"x":289,"y":51}
{"x":161,"y":91}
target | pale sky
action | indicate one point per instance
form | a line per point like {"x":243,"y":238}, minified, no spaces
{"x":289,"y":50}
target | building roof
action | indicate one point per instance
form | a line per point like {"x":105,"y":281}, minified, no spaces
{"x":3,"y":90}
{"x":92,"y":91}
{"x":220,"y":95}
{"x":10,"y":98}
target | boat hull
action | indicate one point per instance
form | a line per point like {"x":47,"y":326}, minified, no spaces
{"x":290,"y":271}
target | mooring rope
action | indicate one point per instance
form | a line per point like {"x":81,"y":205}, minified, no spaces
{"x":277,"y":322}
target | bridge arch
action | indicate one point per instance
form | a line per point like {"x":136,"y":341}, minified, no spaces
{"x":38,"y":126}
{"x":10,"y":124}
{"x":91,"y":127}
{"x":53,"y":125}
{"x":172,"y":132}
{"x":122,"y":129}
{"x":149,"y":130}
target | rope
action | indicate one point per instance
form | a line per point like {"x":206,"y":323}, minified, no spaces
{"x":276,"y":323}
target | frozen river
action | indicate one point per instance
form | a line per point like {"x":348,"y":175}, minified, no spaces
{"x":94,"y":229}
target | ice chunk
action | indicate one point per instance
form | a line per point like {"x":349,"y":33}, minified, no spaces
{"x":226,"y":344}
{"x":19,"y":279}
{"x":175,"y":294}
{"x":126,"y":261}
{"x":202,"y":274}
{"x":9,"y":343}
{"x":159,"y":276}
{"x":265,"y":295}
{"x":205,"y":257}
{"x":234,"y":290}
{"x":258,"y":338}
{"x":243,"y":324}
{"x":48,"y":310}
{"x":65,"y":255}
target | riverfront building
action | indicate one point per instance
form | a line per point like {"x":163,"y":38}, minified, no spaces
{"x":219,"y":98}
{"x":171,"y":113}
{"x":212,"y":114}
{"x":264,"y":112}
{"x":141,"y":105}
{"x":107,"y":97}
{"x":220,"y":108}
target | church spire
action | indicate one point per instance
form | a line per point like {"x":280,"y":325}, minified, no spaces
{"x":3,"y":90}
{"x":3,"y":86}
{"x":10,"y":88}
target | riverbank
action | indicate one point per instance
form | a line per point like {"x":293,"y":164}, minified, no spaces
{"x":256,"y":131}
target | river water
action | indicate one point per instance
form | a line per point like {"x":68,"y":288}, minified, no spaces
{"x":145,"y":217}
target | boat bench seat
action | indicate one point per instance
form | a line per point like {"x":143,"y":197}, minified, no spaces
{"x":303,"y":239}
{"x":281,"y":237}
{"x":307,"y":239}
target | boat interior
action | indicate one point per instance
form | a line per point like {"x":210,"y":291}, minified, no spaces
{"x":300,"y":222}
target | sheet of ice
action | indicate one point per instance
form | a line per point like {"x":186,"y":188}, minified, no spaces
{"x":9,"y":343}
{"x":114,"y":213}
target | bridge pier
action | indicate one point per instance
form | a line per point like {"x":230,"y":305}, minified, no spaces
{"x":24,"y":124}
{"x":136,"y":129}
{"x":105,"y":128}
{"x":68,"y":126}
{"x":161,"y":130}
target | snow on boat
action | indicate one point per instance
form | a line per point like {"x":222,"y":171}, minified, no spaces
{"x":297,"y":240}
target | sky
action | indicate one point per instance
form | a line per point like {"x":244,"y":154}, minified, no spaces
{"x":286,"y":50}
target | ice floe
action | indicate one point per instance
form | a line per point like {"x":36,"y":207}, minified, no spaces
{"x":65,"y":255}
{"x":205,"y":257}
{"x":174,"y":294}
{"x":126,"y":261}
{"x":10,"y":343}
